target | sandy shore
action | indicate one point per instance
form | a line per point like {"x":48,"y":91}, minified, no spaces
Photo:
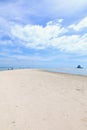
{"x":39,"y":100}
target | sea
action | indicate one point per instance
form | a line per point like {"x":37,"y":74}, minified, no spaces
{"x":6,"y":68}
{"x":3,"y":68}
{"x":75,"y":71}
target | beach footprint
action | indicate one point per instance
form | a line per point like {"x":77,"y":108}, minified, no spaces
{"x":13,"y":123}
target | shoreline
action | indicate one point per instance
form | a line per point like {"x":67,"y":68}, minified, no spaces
{"x":45,"y":70}
{"x":64,"y":73}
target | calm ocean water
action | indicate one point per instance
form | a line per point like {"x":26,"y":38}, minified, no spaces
{"x":75,"y":71}
{"x":6,"y":68}
{"x":3,"y":68}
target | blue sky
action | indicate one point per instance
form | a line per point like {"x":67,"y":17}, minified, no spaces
{"x":43,"y":33}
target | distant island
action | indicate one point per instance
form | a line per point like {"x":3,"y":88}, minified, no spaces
{"x":79,"y":67}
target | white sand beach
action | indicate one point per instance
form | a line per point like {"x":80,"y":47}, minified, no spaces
{"x":39,"y":100}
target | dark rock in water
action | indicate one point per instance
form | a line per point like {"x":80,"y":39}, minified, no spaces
{"x":79,"y":67}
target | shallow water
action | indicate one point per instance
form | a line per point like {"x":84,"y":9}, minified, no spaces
{"x":3,"y":68}
{"x":75,"y":71}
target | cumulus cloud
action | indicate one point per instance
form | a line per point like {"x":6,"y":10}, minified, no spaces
{"x":79,"y":26}
{"x":53,"y":35}
{"x":36,"y":36}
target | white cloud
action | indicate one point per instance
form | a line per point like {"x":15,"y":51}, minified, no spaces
{"x":52,"y":35}
{"x":73,"y":43}
{"x":36,"y":36}
{"x":81,"y":25}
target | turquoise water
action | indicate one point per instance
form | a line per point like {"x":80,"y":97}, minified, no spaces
{"x":3,"y":68}
{"x":6,"y":68}
{"x":75,"y":71}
